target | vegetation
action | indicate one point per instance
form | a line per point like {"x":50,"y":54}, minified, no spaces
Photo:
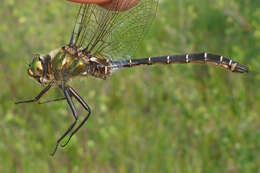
{"x":176,"y":118}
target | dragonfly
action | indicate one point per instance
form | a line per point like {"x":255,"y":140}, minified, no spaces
{"x":103,"y":41}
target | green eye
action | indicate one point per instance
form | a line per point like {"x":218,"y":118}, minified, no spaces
{"x":35,"y":68}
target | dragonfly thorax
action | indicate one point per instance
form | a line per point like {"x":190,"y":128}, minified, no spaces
{"x":62,"y":64}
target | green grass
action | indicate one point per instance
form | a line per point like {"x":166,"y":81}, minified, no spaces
{"x":176,"y":118}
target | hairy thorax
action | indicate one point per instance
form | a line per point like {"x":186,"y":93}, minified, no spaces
{"x":69,"y":62}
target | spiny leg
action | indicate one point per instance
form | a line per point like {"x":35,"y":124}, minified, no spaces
{"x":38,"y":96}
{"x":53,"y":100}
{"x":85,"y":105}
{"x":73,"y":109}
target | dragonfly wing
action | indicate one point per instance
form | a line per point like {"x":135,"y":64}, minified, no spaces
{"x":110,"y":33}
{"x":80,"y":25}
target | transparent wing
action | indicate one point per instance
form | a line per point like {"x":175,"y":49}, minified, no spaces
{"x":110,"y":33}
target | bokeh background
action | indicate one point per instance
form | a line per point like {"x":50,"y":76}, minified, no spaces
{"x":176,"y":118}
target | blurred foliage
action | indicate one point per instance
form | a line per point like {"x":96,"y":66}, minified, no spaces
{"x":176,"y":118}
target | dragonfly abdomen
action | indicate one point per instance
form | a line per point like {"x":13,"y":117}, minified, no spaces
{"x":200,"y":58}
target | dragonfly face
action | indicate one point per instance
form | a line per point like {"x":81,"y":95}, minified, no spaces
{"x":35,"y":69}
{"x":38,"y":69}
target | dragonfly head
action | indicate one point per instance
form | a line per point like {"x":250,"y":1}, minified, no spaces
{"x":38,"y":69}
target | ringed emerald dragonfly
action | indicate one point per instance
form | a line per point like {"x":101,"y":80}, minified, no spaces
{"x":102,"y":42}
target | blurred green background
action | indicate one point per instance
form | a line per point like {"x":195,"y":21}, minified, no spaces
{"x":176,"y":118}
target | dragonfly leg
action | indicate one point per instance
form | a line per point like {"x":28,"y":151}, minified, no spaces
{"x":35,"y":99}
{"x":73,"y":109}
{"x":54,"y":100}
{"x":85,"y":106}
